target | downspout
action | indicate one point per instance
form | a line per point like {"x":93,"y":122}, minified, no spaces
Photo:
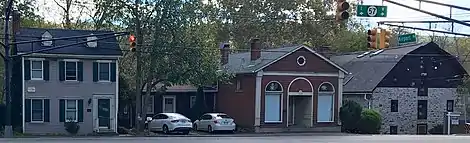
{"x":368,"y":102}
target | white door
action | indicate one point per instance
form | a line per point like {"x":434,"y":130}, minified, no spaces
{"x":169,"y":104}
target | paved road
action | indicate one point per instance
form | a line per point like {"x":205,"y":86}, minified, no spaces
{"x":273,"y":139}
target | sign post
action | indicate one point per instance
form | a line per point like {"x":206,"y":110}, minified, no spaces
{"x":371,"y":11}
{"x":407,"y":38}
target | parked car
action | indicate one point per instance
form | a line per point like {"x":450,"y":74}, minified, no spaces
{"x":211,"y":122}
{"x":170,"y":122}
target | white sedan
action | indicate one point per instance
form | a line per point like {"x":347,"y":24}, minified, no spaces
{"x":170,"y":122}
{"x":215,"y":122}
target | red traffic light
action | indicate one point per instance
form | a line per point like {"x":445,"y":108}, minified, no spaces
{"x":131,"y":38}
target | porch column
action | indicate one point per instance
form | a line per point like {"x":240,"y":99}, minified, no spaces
{"x":340,"y":93}
{"x":259,"y":77}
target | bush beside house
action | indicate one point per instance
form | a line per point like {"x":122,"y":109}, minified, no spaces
{"x":356,"y":120}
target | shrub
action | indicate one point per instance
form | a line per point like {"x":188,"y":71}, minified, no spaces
{"x":437,"y":130}
{"x":350,"y":114}
{"x":370,"y":122}
{"x":71,"y":126}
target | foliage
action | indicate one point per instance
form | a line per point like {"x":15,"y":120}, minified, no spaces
{"x":350,"y":115}
{"x":370,"y":122}
{"x":71,"y":126}
{"x":437,"y":130}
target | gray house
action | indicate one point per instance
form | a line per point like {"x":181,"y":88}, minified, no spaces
{"x":411,"y":86}
{"x":75,"y":83}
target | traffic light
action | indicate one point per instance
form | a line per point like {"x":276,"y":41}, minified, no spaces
{"x":372,"y":38}
{"x":385,"y":36}
{"x":132,"y":43}
{"x":342,"y":10}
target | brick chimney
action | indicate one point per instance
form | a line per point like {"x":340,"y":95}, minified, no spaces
{"x":16,"y":22}
{"x":255,"y":49}
{"x":224,"y":52}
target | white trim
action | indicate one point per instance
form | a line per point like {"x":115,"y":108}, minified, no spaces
{"x":340,"y":94}
{"x":68,"y":55}
{"x":281,"y":100}
{"x":191,"y":101}
{"x":31,"y":69}
{"x":31,"y":110}
{"x":332,"y":105}
{"x":301,"y":74}
{"x":65,"y":70}
{"x":299,"y":93}
{"x":259,"y":78}
{"x":109,"y":71}
{"x":312,"y":99}
{"x":23,"y":94}
{"x":104,"y":61}
{"x":116,"y":98}
{"x":301,"y":57}
{"x":36,"y":59}
{"x":169,"y":97}
{"x":309,"y":49}
{"x":76,"y":109}
{"x":70,"y":60}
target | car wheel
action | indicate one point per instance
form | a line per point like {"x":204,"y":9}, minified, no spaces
{"x":195,"y":127}
{"x":165,"y":129}
{"x":209,"y":129}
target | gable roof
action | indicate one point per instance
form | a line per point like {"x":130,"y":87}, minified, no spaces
{"x":108,"y":47}
{"x":369,"y":70}
{"x":241,"y":63}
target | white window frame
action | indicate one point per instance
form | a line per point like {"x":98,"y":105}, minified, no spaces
{"x":332,"y":94}
{"x":151,"y":105}
{"x":172,"y":97}
{"x":66,"y":110}
{"x":31,"y":69}
{"x":42,"y":110}
{"x":76,"y":70}
{"x":109,"y":71}
{"x":192,"y":101}
{"x":281,"y":93}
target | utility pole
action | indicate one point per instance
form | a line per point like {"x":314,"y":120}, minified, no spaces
{"x":138,"y":76}
{"x":8,"y":133}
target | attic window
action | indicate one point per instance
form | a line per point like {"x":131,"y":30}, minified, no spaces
{"x":46,"y":36}
{"x":301,"y":60}
{"x":92,"y":43}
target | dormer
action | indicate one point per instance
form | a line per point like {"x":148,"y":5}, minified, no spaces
{"x":92,"y":44}
{"x":47,"y":36}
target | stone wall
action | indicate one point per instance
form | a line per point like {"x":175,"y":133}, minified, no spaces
{"x":406,"y":117}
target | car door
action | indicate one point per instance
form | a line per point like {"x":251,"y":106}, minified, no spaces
{"x":154,"y":122}
{"x":205,"y":121}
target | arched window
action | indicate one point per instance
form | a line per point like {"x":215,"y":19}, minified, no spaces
{"x":272,"y":102}
{"x":325,"y":108}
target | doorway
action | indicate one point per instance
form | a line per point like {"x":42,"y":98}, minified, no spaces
{"x":103,"y":112}
{"x":300,"y":111}
{"x":169,"y":104}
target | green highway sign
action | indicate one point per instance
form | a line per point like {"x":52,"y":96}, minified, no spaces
{"x":371,"y":11}
{"x":407,"y":38}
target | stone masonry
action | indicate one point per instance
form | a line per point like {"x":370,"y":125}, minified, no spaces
{"x":406,"y":119}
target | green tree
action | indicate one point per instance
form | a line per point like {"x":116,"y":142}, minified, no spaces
{"x":370,"y":122}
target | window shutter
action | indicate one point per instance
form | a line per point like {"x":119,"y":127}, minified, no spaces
{"x":27,"y":70}
{"x":62,"y":110}
{"x":61,"y":70}
{"x":46,"y":110}
{"x":45,"y":72}
{"x":112,"y":72}
{"x":80,"y":71}
{"x":95,"y":71}
{"x":27,"y":110}
{"x":80,"y":110}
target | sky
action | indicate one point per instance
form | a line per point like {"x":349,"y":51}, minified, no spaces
{"x":398,"y":13}
{"x":52,"y":12}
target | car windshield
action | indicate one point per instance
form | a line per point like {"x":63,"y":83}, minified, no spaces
{"x":224,"y":116}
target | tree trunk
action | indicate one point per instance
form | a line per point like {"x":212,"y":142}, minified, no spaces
{"x":139,"y":121}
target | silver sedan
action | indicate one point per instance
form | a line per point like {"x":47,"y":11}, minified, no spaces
{"x":214,"y":122}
